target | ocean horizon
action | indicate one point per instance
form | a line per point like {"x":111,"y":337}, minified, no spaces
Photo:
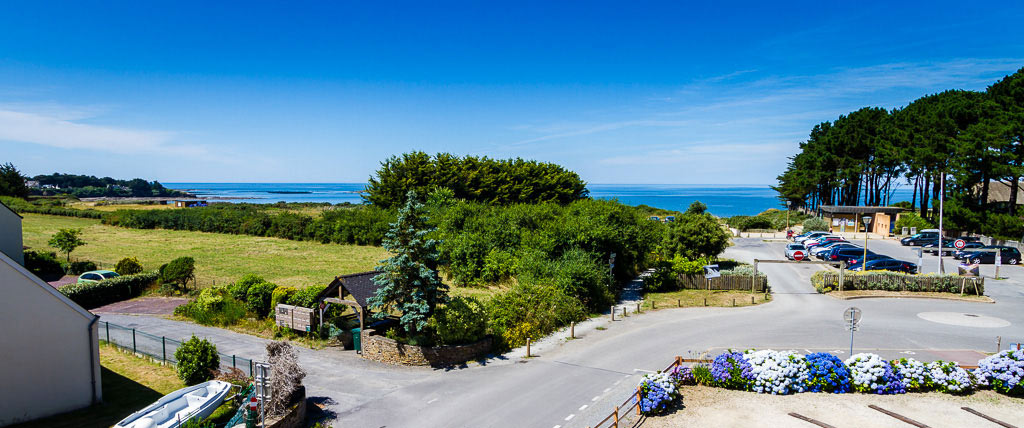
{"x":723,"y":200}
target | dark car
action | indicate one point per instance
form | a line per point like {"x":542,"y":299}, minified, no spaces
{"x":845,"y":254}
{"x":871,"y":258}
{"x":1010,"y":255}
{"x":959,"y":254}
{"x":920,"y":238}
{"x":823,"y":249}
{"x":823,"y":242}
{"x":892,"y":265}
{"x":932,"y":247}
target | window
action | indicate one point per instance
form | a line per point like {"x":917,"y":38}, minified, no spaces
{"x":92,"y":276}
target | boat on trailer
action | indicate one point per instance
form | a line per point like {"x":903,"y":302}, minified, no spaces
{"x":177,"y":408}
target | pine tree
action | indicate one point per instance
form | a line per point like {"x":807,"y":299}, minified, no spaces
{"x":408,"y":281}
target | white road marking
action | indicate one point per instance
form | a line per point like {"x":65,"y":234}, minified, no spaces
{"x":643,"y":371}
{"x":431,"y":401}
{"x":607,"y":389}
{"x":908,"y":352}
{"x":570,"y":416}
{"x":808,"y":351}
{"x":582,"y":407}
{"x":557,"y":426}
{"x":596,"y":397}
{"x":618,"y":381}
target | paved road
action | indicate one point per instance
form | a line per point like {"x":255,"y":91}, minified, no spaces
{"x":576,"y":383}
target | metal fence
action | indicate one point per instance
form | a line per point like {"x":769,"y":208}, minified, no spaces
{"x":160,"y":348}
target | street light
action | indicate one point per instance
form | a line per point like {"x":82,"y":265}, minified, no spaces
{"x":788,"y":202}
{"x":864,"y":261}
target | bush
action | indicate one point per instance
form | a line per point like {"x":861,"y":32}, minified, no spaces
{"x":197,"y":359}
{"x":657,"y":390}
{"x":1004,"y":372}
{"x":179,"y":271}
{"x":532,"y":311}
{"x":732,"y":370}
{"x":695,"y":236}
{"x":306,"y":297}
{"x":702,"y":375}
{"x":462,"y":320}
{"x":892,"y":281}
{"x":43,"y":263}
{"x":914,"y":373}
{"x":756,"y":222}
{"x":815,"y":224}
{"x":910,"y":219}
{"x":91,"y":295}
{"x":662,"y":279}
{"x":871,"y":374}
{"x":211,"y":299}
{"x":777,"y":372}
{"x":128,"y":266}
{"x":827,"y":373}
{"x":576,"y":273}
{"x":258,"y":299}
{"x":240,"y":290}
{"x":216,"y":308}
{"x":80,"y":267}
{"x":282,"y":296}
{"x":949,"y":378}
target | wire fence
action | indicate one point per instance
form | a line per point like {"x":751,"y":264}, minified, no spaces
{"x":161,"y":348}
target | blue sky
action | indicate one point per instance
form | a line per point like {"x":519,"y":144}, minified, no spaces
{"x":629,"y":92}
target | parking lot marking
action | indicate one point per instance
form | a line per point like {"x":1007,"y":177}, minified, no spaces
{"x":570,"y":416}
{"x":582,"y":407}
{"x":595,"y":398}
{"x":431,"y":401}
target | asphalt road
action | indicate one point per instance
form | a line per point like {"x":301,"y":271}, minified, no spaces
{"x":576,"y":383}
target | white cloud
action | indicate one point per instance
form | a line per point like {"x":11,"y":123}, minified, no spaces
{"x":59,"y":126}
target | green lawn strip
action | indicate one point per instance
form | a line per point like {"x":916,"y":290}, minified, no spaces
{"x":129,"y":384}
{"x":220,"y":258}
{"x":692,"y":298}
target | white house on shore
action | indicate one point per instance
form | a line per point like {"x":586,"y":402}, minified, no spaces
{"x":10,"y":234}
{"x":49,"y":349}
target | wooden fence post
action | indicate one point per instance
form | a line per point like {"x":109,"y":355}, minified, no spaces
{"x":638,"y":398}
{"x":616,"y":413}
{"x":679,"y":303}
{"x":527,"y":347}
{"x":613,"y":312}
{"x":754,"y":277}
{"x":572,"y":329}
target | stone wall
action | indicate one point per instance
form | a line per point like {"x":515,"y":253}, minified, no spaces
{"x":376,"y":347}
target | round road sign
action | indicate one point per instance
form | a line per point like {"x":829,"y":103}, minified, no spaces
{"x":959,"y":244}
{"x":798,"y":255}
{"x":852,"y":314}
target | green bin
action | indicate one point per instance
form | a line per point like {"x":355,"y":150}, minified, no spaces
{"x":356,"y":336}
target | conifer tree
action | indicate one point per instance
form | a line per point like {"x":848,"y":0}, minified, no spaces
{"x":408,"y":281}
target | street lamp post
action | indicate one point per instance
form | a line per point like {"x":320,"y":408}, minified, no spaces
{"x":864,"y":261}
{"x":787,"y":215}
{"x":942,"y":195}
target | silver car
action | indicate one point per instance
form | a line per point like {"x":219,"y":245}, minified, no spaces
{"x":793,"y":248}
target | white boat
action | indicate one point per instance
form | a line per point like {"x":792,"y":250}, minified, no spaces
{"x":175,"y":409}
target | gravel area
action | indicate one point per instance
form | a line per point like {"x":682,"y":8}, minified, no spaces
{"x":143,"y":306}
{"x":716,"y":407}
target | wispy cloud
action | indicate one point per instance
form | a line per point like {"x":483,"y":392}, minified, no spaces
{"x":64,"y":127}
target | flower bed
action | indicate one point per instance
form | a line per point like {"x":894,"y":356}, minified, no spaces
{"x":1003,"y":372}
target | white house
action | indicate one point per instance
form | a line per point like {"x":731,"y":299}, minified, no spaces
{"x":49,"y":349}
{"x":10,"y":234}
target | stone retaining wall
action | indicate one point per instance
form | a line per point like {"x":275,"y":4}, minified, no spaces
{"x":376,"y":347}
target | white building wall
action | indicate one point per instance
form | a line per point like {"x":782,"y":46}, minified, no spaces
{"x":49,"y":364}
{"x":10,"y":235}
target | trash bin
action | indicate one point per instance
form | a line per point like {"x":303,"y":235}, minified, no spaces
{"x":356,"y":342}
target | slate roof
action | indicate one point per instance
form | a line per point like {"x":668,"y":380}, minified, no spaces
{"x":359,"y":285}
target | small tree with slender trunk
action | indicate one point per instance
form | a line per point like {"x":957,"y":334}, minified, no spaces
{"x":66,"y":240}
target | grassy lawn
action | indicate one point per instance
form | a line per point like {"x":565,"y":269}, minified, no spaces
{"x":129,"y":384}
{"x":219,"y":257}
{"x":691,"y":298}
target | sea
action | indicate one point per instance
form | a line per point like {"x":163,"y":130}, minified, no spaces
{"x":722,"y":200}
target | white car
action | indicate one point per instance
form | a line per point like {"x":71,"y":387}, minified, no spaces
{"x":793,"y":248}
{"x":812,"y":235}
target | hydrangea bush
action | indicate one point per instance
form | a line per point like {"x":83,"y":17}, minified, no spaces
{"x":1003,"y":372}
{"x":682,"y":375}
{"x":732,"y":370}
{"x":827,"y":373}
{"x":657,"y":390}
{"x":913,"y":372}
{"x":948,"y":377}
{"x":777,"y":372}
{"x":872,"y":374}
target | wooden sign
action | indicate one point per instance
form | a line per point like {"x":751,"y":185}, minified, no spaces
{"x":293,"y":317}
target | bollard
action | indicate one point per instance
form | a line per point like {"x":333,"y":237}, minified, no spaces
{"x":163,"y":343}
{"x":613,"y":313}
{"x":572,"y":330}
{"x":133,"y":340}
{"x":751,"y":300}
{"x":250,"y":415}
{"x":108,"y":332}
{"x":527,"y":347}
{"x":705,"y":301}
{"x":653,"y":305}
{"x":734,"y":302}
{"x":233,"y":361}
{"x":679,"y":303}
{"x":638,"y":308}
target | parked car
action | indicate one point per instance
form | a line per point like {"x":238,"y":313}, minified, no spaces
{"x":811,"y":243}
{"x":970,"y":238}
{"x":892,"y":265}
{"x":933,"y":246}
{"x":845,"y":254}
{"x":871,"y":258}
{"x":821,"y":250}
{"x":923,"y":237}
{"x":808,"y":235}
{"x":1010,"y":255}
{"x":792,"y":248}
{"x":96,"y":276}
{"x":959,"y":254}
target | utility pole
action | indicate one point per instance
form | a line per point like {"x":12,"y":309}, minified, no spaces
{"x":942,"y":196}
{"x":864,"y":261}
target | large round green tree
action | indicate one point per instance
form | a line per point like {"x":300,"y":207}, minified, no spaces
{"x":408,"y":281}
{"x":695,"y":236}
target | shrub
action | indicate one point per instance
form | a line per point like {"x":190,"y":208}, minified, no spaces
{"x":948,"y":377}
{"x":43,"y":263}
{"x":684,"y":266}
{"x":462,"y":320}
{"x":306,"y":297}
{"x":258,"y":299}
{"x":128,"y":266}
{"x":91,"y":295}
{"x":695,"y":236}
{"x":533,"y":311}
{"x":80,"y":267}
{"x":777,"y":372}
{"x":1003,"y":372}
{"x":197,"y":359}
{"x":179,"y":271}
{"x":657,"y":390}
{"x":662,"y":279}
{"x":910,"y":219}
{"x":815,"y":224}
{"x":702,"y":375}
{"x":827,"y":373}
{"x":756,"y":222}
{"x":211,"y":299}
{"x":913,"y":372}
{"x":282,"y":295}
{"x":732,"y":370}
{"x":872,"y":374}
{"x":240,"y":290}
{"x":227,"y":311}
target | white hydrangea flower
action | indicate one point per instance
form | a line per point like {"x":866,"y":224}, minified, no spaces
{"x":778,"y":372}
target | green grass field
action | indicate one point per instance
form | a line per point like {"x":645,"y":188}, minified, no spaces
{"x":219,"y":257}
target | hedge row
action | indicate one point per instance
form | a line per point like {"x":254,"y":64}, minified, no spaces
{"x":825,"y":281}
{"x":92,"y":295}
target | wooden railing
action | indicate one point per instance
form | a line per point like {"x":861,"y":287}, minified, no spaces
{"x":621,"y":410}
{"x":724,"y":282}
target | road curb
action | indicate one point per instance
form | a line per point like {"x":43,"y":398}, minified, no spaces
{"x":957,"y":299}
